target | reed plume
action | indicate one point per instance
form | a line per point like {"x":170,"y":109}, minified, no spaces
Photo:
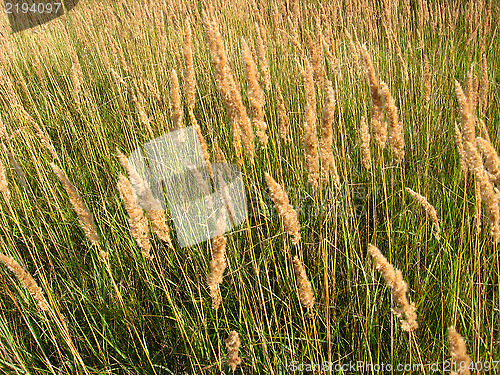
{"x":176,"y":102}
{"x":4,"y":184}
{"x":284,"y":126}
{"x":84,"y":215}
{"x":460,"y":147}
{"x":233,"y":346}
{"x":284,"y":208}
{"x":325,"y":144}
{"x":262,"y":51}
{"x":492,"y":160}
{"x":399,"y":288}
{"x":42,"y":135}
{"x":378,"y":125}
{"x":26,"y":281}
{"x":255,"y":94}
{"x":429,"y":209}
{"x":138,"y":223}
{"x":218,"y":263}
{"x":484,"y":86}
{"x":458,"y":352}
{"x":364,"y":135}
{"x":310,"y":131}
{"x":396,"y":138}
{"x":306,"y":294}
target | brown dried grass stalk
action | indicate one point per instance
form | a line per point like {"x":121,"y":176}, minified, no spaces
{"x":26,"y":281}
{"x":84,"y":215}
{"x":284,"y":208}
{"x":176,"y":102}
{"x":399,"y":288}
{"x":306,"y":294}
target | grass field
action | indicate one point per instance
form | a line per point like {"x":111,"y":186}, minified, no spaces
{"x":291,"y":92}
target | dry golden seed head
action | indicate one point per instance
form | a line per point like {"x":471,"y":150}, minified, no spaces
{"x":468,"y":118}
{"x":484,"y":86}
{"x":492,"y":160}
{"x":233,"y":346}
{"x":4,"y":185}
{"x":284,"y":126}
{"x":84,"y":216}
{"x":429,"y":209}
{"x":460,"y":147}
{"x":218,"y":263}
{"x":159,"y":225}
{"x":26,"y":281}
{"x":364,"y":135}
{"x":284,"y":208}
{"x":176,"y":102}
{"x":458,"y":351}
{"x":262,"y":50}
{"x":396,"y":137}
{"x":138,"y":223}
{"x":399,"y":288}
{"x":310,"y":131}
{"x":190,"y":77}
{"x":306,"y":294}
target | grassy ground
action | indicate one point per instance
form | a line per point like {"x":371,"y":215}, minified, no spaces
{"x":139,"y":316}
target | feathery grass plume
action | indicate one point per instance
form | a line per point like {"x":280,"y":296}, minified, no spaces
{"x":394,"y":279}
{"x":316,"y":49}
{"x":189,"y":77}
{"x":483,"y":130}
{"x":229,"y":89}
{"x":145,"y":199}
{"x":477,"y":214}
{"x":484,"y":86}
{"x":460,"y":147}
{"x":468,"y":118}
{"x":176,"y":102}
{"x":486,"y":187}
{"x":138,"y":223}
{"x":492,"y":160}
{"x":458,"y":352}
{"x":429,"y":209}
{"x":325,"y":144}
{"x":379,"y":126}
{"x":233,"y":346}
{"x":26,"y":281}
{"x":396,"y":137}
{"x":310,"y":131}
{"x":84,"y":215}
{"x":284,"y":208}
{"x":218,"y":263}
{"x":354,"y":51}
{"x":255,"y":94}
{"x":42,"y":135}
{"x":306,"y":294}
{"x":262,"y":51}
{"x":364,"y":135}
{"x":283,"y":116}
{"x":427,"y":81}
{"x":4,"y":184}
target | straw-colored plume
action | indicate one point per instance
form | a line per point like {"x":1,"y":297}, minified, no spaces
{"x":42,"y":135}
{"x":84,"y":216}
{"x":4,"y":184}
{"x":233,"y":347}
{"x":284,"y":208}
{"x":399,"y":288}
{"x":379,"y":126}
{"x":306,"y":294}
{"x":396,"y":137}
{"x":458,"y":352}
{"x":429,"y":209}
{"x":310,"y":131}
{"x":176,"y":102}
{"x":262,"y":51}
{"x":189,"y":77}
{"x":255,"y":94}
{"x":283,"y":116}
{"x":328,"y":164}
{"x":138,"y":223}
{"x":484,"y":86}
{"x":364,"y":135}
{"x":460,"y":147}
{"x":492,"y":160}
{"x":26,"y":281}
{"x":218,"y":264}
